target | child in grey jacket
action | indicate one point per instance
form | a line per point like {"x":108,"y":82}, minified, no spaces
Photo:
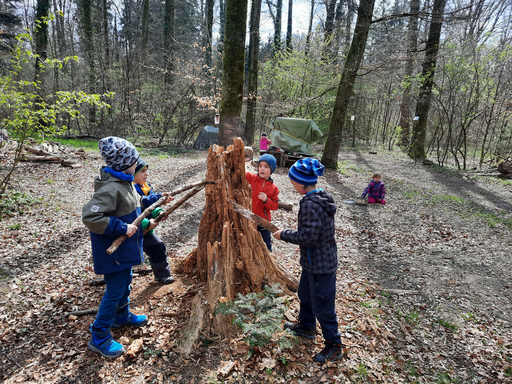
{"x":318,"y":258}
{"x":108,"y":215}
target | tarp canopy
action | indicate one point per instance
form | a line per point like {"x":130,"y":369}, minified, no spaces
{"x":295,"y":135}
{"x":207,"y":137}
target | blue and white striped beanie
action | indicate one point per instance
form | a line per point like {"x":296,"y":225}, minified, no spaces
{"x":119,"y":154}
{"x":306,"y":171}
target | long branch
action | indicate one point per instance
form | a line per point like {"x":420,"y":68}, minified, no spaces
{"x":150,"y":209}
{"x":176,"y":205}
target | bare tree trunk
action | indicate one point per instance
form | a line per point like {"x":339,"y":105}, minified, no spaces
{"x":41,"y":38}
{"x":417,"y":148}
{"x":231,"y":256}
{"x":209,"y":32}
{"x":233,"y":71}
{"x":412,"y":46}
{"x":145,"y":28}
{"x":252,"y":86}
{"x":310,"y":28}
{"x":169,"y":39}
{"x":330,"y":9}
{"x":348,"y":77}
{"x":289,"y":30}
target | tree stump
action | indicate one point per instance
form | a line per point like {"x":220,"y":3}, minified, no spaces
{"x":231,"y":256}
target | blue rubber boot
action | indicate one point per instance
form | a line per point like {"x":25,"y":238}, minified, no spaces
{"x":125,"y":317}
{"x":103,"y":343}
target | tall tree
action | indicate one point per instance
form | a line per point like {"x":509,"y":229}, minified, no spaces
{"x":310,"y":28}
{"x":289,"y":30}
{"x":348,"y":78}
{"x":168,"y":39}
{"x":233,"y":67}
{"x":330,"y":10}
{"x":88,"y":46}
{"x":209,"y":32}
{"x":252,"y":86}
{"x":145,"y":28}
{"x":41,"y":36}
{"x":276,"y":18}
{"x":412,"y":46}
{"x":222,"y":27}
{"x":417,"y":147}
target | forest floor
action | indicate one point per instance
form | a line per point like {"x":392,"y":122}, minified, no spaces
{"x":424,"y":282}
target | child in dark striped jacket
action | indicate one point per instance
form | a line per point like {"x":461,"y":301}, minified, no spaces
{"x":376,"y":190}
{"x":318,"y":259}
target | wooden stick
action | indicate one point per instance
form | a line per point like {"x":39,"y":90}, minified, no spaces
{"x":253,"y":217}
{"x":117,"y":242}
{"x":176,"y":205}
{"x":91,"y":311}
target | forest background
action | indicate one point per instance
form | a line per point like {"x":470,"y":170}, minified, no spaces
{"x":162,"y":62}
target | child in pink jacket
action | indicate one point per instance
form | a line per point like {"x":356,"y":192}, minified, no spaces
{"x":264,"y":142}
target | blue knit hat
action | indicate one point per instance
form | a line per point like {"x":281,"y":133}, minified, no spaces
{"x":119,"y":154}
{"x":306,"y":171}
{"x":141,"y":163}
{"x":270,"y":160}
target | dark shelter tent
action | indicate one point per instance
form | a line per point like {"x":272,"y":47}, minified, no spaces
{"x":207,"y":137}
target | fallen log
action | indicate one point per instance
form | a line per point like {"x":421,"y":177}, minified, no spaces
{"x":69,"y":163}
{"x":150,"y":209}
{"x":253,"y":217}
{"x":285,"y":205}
{"x":49,"y":159}
{"x":505,"y":167}
{"x":40,"y":152}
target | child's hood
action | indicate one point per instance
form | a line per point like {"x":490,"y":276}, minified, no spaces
{"x":103,"y":179}
{"x":324,"y":200}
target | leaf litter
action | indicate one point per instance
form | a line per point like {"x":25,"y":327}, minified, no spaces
{"x":423,"y":284}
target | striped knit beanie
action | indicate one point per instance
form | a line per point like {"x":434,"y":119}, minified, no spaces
{"x":141,"y":163}
{"x":306,"y":171}
{"x":119,"y":154}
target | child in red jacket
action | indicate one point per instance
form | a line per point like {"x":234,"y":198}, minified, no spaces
{"x":264,"y":193}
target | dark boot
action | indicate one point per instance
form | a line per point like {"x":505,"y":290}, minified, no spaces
{"x":300,"y":330}
{"x":331,"y":352}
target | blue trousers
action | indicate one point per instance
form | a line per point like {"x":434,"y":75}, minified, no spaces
{"x":317,"y":293}
{"x":267,"y":237}
{"x":116,"y":296}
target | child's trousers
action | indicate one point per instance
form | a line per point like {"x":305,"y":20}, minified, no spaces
{"x":116,"y":296}
{"x":157,"y":253}
{"x":317,"y":293}
{"x":267,"y":237}
{"x":372,"y":200}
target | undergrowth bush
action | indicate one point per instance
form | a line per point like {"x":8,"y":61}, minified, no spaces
{"x":259,"y":315}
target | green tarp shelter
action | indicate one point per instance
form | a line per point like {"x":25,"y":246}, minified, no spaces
{"x":295,"y":135}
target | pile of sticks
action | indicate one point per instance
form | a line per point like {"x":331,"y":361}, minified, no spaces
{"x":53,"y":152}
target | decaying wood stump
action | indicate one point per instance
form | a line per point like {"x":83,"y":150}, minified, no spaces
{"x":230,"y":256}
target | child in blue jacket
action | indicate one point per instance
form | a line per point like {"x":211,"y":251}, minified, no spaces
{"x":318,"y":259}
{"x":108,"y":215}
{"x":152,"y":245}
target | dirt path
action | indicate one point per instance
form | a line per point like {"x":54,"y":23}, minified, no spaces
{"x":442,"y":242}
